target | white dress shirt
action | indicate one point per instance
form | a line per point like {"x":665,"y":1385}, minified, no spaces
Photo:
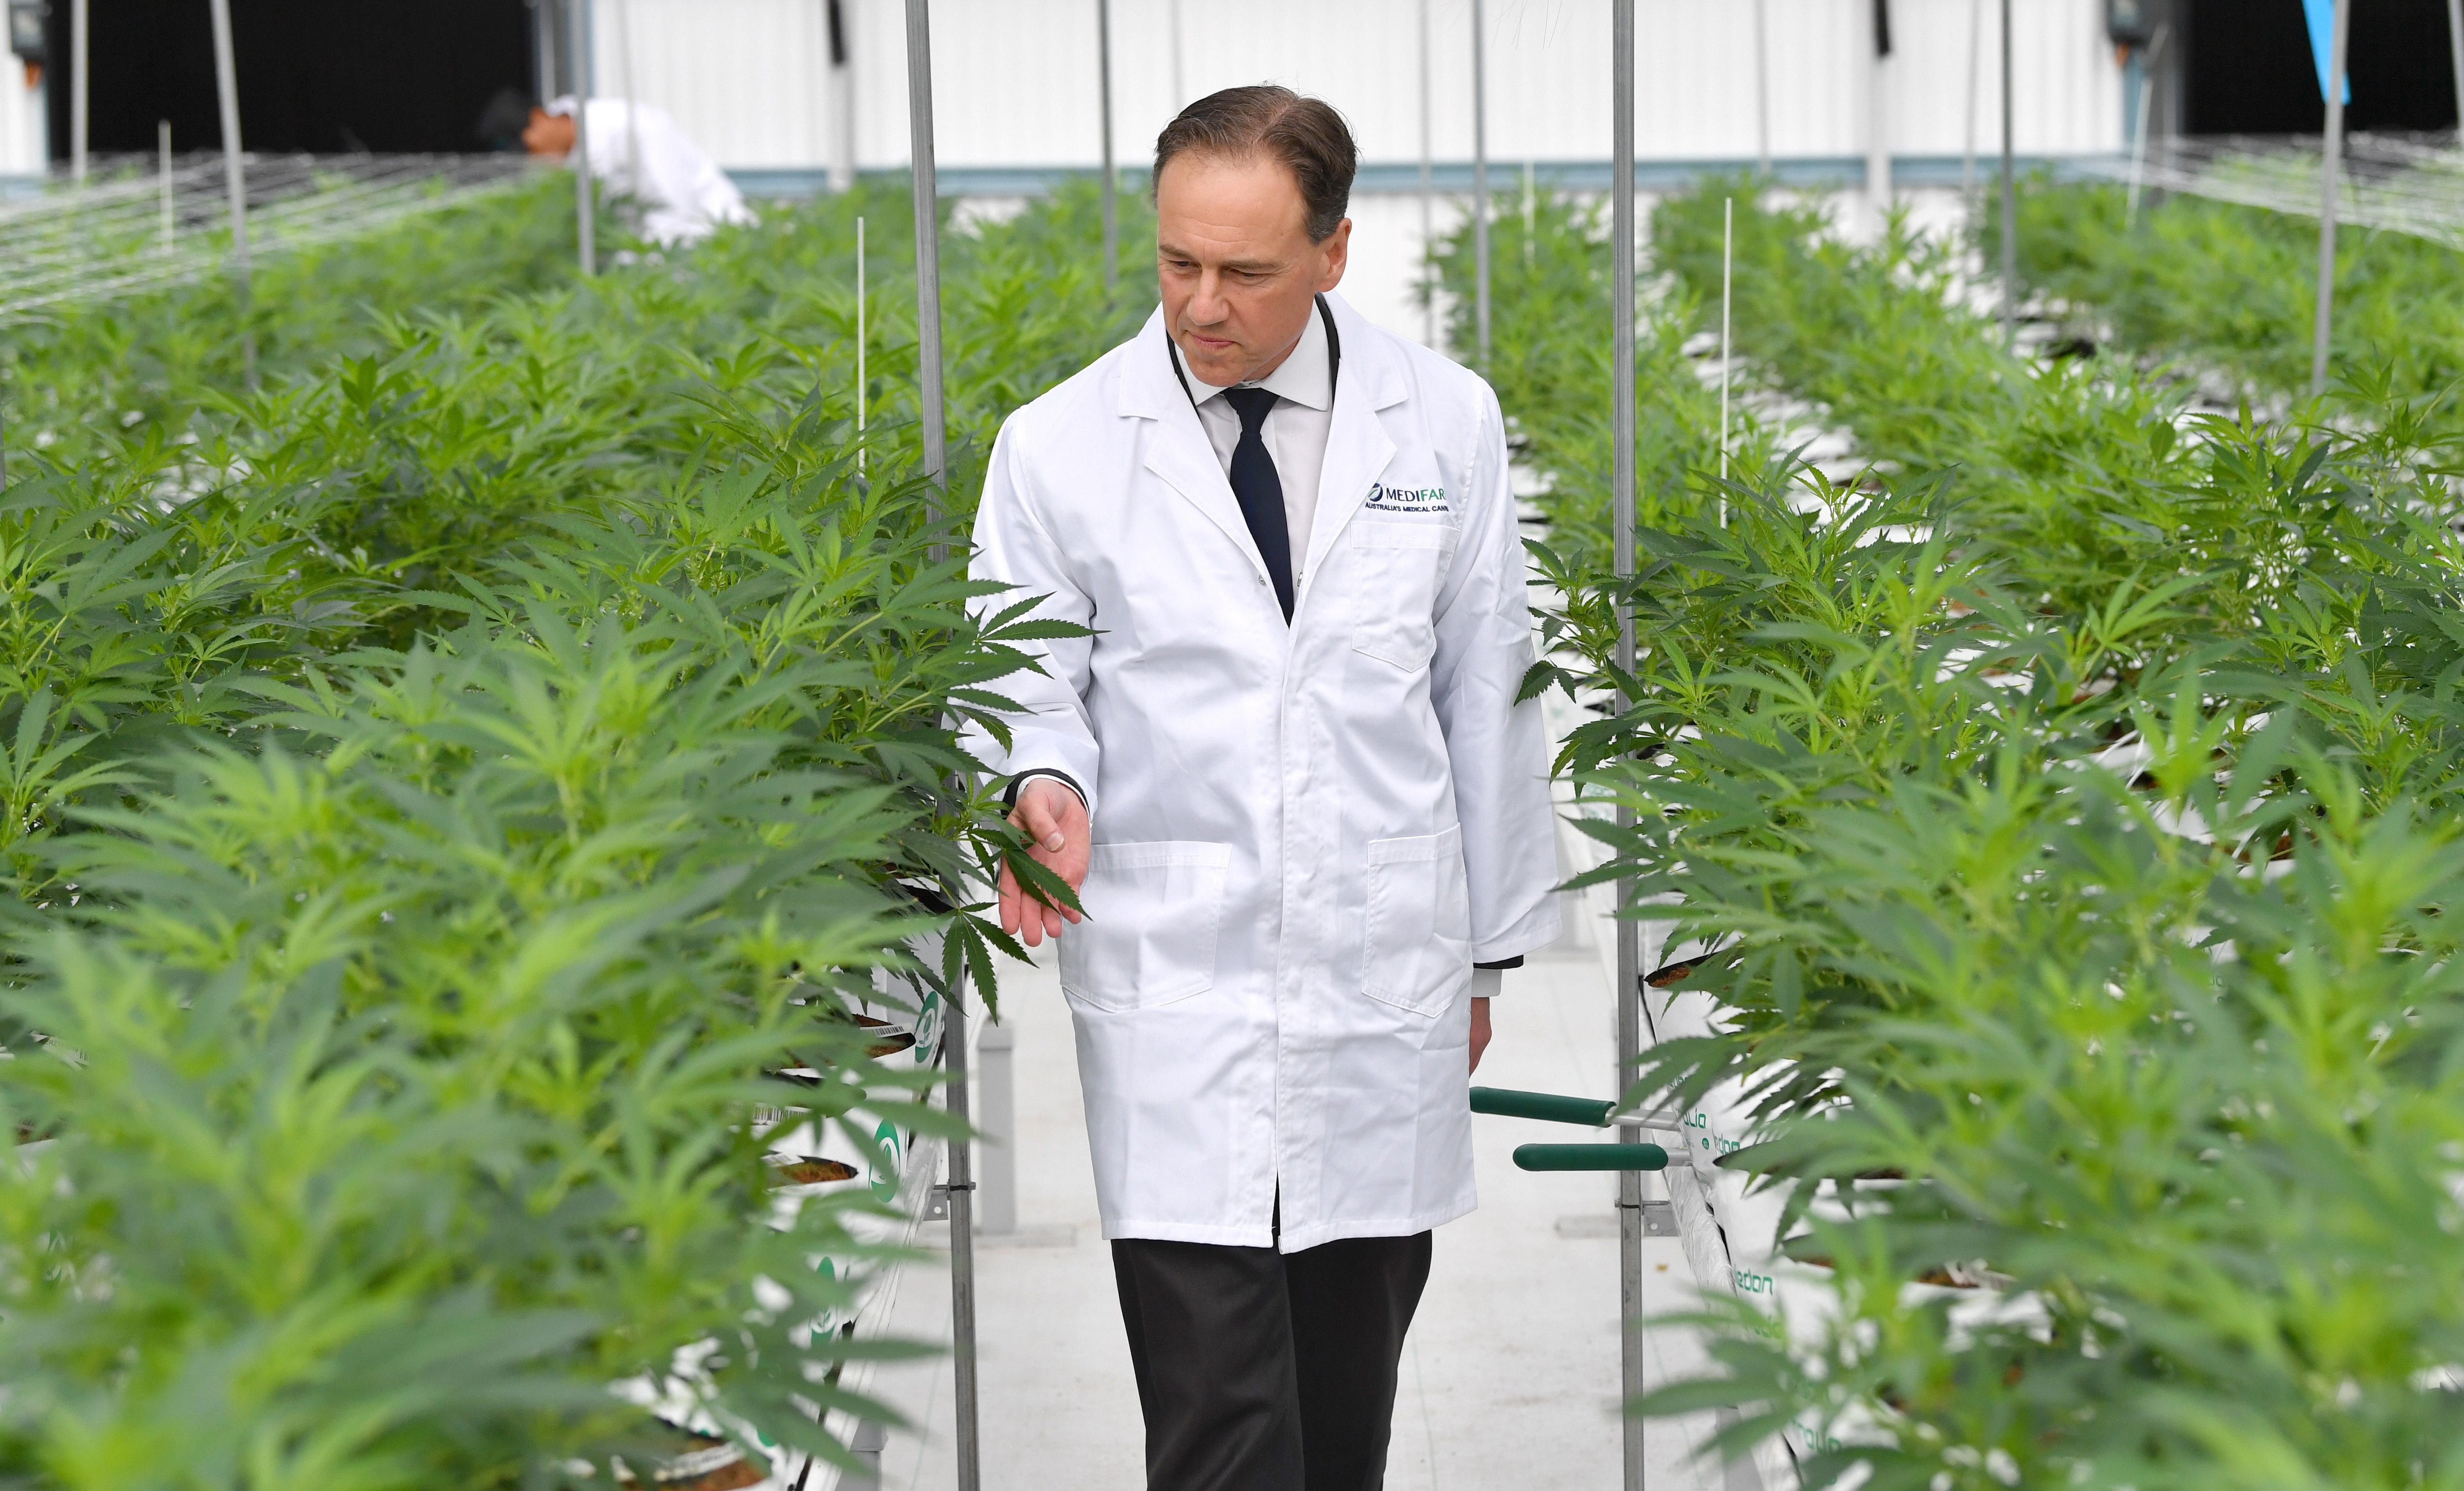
{"x":1295,"y":431}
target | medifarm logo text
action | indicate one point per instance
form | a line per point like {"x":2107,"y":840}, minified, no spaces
{"x":1384,"y":499}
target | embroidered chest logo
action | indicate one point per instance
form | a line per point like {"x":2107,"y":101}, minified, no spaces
{"x":1383,"y":499}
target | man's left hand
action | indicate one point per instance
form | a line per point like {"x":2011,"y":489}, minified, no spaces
{"x":1479,"y":1031}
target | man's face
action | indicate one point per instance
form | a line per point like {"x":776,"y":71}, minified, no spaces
{"x":1239,"y":271}
{"x":548,"y":134}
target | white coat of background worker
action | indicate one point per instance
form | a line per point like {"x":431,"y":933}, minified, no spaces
{"x":638,"y":151}
{"x":1286,"y":772}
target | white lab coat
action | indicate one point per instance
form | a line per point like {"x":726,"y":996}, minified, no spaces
{"x":681,"y":193}
{"x":1303,"y":836}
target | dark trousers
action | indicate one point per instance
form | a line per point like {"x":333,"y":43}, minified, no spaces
{"x":1261,"y":1371}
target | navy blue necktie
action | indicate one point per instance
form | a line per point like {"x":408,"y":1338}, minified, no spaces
{"x":1260,"y":491}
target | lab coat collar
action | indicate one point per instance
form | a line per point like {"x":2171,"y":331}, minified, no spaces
{"x":1357,"y":448}
{"x":1151,"y":390}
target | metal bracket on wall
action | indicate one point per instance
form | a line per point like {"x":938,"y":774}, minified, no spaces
{"x":937,"y":1208}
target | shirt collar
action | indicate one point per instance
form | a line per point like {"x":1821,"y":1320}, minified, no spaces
{"x":1304,"y":377}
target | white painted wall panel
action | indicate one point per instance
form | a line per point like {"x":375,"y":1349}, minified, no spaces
{"x":1015,"y":78}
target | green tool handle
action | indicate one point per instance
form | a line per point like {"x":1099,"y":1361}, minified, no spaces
{"x":1506,"y":1102}
{"x":1590,"y":1157}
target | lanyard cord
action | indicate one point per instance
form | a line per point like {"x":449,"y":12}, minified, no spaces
{"x":1333,"y":358}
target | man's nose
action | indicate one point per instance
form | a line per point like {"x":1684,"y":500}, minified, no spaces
{"x":1206,"y":307}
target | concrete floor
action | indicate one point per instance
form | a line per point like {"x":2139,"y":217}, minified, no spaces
{"x":1510,"y":1375}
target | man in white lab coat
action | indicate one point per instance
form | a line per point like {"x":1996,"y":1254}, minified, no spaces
{"x":638,"y":150}
{"x":1286,"y":773}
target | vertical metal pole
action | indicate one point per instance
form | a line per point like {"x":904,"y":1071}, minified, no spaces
{"x":1975,"y":86}
{"x":234,"y":177}
{"x":81,"y":89}
{"x":1480,"y":178}
{"x":543,"y":46}
{"x":928,"y":234}
{"x":843,"y":79}
{"x":162,"y":181}
{"x":928,"y":346}
{"x":1111,"y":182}
{"x":2010,"y":202}
{"x":997,"y":1047}
{"x":1428,"y":195}
{"x":1629,"y":953}
{"x":2455,"y":54}
{"x":1180,"y":84}
{"x":585,"y":212}
{"x":1762,"y":90}
{"x":1878,"y":118}
{"x":2147,"y":63}
{"x":963,"y":1245}
{"x":2331,"y":159}
{"x":632,"y":103}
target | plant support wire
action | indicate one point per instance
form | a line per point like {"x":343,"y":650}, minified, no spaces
{"x":2391,"y":184}
{"x":133,"y":229}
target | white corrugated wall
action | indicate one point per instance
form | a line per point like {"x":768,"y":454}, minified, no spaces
{"x":1015,"y":80}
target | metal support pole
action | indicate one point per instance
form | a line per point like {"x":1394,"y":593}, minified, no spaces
{"x":585,"y":212}
{"x":1975,"y":86}
{"x":1179,"y":85}
{"x":81,"y":89}
{"x":632,"y":104}
{"x":1762,"y":90}
{"x":1480,"y":178}
{"x":996,"y":1093}
{"x":2456,"y":54}
{"x":2010,"y":202}
{"x":1112,"y":182}
{"x":544,"y":46}
{"x":928,"y":234}
{"x":927,"y":347}
{"x":962,"y":1246}
{"x":1878,"y":118}
{"x":2149,"y":61}
{"x":234,"y":177}
{"x":2331,"y":158}
{"x":163,"y":182}
{"x":842,"y":84}
{"x":1428,"y":197}
{"x":1629,"y":953}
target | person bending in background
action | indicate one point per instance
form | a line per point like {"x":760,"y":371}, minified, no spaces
{"x":637,"y":149}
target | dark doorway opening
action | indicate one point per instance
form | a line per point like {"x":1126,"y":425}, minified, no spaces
{"x":322,"y":76}
{"x":2248,"y":69}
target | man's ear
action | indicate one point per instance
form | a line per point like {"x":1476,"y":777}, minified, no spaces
{"x":1337,"y":249}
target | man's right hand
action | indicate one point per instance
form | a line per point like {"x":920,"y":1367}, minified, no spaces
{"x":1055,"y":824}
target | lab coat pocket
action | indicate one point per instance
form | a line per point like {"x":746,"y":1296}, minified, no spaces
{"x":1418,"y":952}
{"x":1152,"y":911}
{"x":1399,"y":567}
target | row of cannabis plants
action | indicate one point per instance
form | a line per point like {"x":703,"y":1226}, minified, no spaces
{"x":2063,"y":815}
{"x":444,"y":781}
{"x":2225,"y":295}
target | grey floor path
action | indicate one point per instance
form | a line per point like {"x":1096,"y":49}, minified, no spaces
{"x":1510,"y":1376}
